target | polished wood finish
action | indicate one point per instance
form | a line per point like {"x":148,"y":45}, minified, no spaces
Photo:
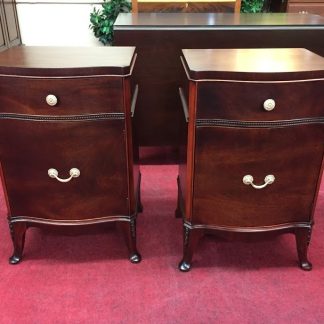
{"x":231,"y":135}
{"x":89,"y":128}
{"x":160,"y":37}
{"x":75,"y":95}
{"x":306,"y":7}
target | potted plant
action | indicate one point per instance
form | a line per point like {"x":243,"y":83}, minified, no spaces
{"x":102,"y":20}
{"x":254,"y":6}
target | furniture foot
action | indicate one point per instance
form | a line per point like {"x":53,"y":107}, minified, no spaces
{"x":307,"y":266}
{"x":129,"y":232}
{"x":17,"y":231}
{"x":190,"y":240}
{"x":14,"y":259}
{"x":303,"y":236}
{"x":135,"y":258}
{"x":184,"y":266}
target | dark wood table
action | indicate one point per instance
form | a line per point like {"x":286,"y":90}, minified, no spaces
{"x":159,"y":38}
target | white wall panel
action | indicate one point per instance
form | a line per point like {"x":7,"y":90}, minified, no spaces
{"x":44,"y":23}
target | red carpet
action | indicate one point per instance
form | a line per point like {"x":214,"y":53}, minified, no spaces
{"x":87,"y":278}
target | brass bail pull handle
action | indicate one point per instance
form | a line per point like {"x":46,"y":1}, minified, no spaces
{"x":74,"y":173}
{"x":248,"y":180}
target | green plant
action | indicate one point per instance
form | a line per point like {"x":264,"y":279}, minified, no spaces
{"x":102,"y":20}
{"x":252,"y":6}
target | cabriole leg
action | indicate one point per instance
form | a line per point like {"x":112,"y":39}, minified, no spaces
{"x":18,"y":231}
{"x":139,"y":201}
{"x":177,"y":212}
{"x":129,"y":232}
{"x":190,"y":240}
{"x":303,"y":236}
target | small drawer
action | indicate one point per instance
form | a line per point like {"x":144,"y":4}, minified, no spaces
{"x":260,"y":101}
{"x":71,"y":96}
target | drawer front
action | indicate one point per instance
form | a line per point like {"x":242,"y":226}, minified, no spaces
{"x":306,"y":8}
{"x":74,"y":96}
{"x":96,"y":148}
{"x":245,"y":101}
{"x":225,"y":155}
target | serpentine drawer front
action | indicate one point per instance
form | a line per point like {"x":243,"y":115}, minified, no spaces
{"x":255,"y":144}
{"x":64,"y":96}
{"x":66,"y":145}
{"x":270,"y":100}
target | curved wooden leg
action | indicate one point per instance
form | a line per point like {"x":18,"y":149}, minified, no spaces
{"x":139,"y":200}
{"x":18,"y":231}
{"x":303,"y":236}
{"x":177,"y":212}
{"x":129,"y":232}
{"x":190,"y":240}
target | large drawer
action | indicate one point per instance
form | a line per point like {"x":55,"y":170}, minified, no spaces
{"x":75,"y":96}
{"x":223,"y":156}
{"x":96,"y":148}
{"x":245,"y":100}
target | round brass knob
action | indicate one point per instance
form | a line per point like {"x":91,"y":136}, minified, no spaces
{"x":51,"y":100}
{"x":269,"y":104}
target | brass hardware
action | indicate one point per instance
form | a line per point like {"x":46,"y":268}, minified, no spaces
{"x":51,"y":100}
{"x":248,"y":180}
{"x":74,"y":173}
{"x":269,"y":104}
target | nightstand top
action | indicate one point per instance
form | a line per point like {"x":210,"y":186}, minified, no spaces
{"x":67,"y":61}
{"x":253,"y":64}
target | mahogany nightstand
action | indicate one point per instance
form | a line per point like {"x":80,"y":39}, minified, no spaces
{"x":255,"y":144}
{"x":66,"y":146}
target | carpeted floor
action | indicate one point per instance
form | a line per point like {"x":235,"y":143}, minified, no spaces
{"x":86,"y":278}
